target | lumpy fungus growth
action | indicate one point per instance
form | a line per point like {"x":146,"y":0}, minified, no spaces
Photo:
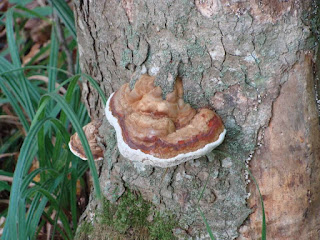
{"x":161,"y":132}
{"x":91,"y":132}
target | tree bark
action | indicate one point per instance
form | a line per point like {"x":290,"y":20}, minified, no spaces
{"x":254,"y":62}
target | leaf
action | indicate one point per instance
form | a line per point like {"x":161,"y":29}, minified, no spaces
{"x":66,"y":15}
{"x":14,"y":104}
{"x":96,"y":86}
{"x":38,"y":12}
{"x":264,"y":226}
{"x":4,"y":186}
{"x":54,"y":50}
{"x":22,"y":2}
{"x":63,"y":116}
{"x":14,"y":52}
{"x":15,"y":222}
{"x":206,"y":223}
{"x":76,"y":124}
{"x":73,"y":199}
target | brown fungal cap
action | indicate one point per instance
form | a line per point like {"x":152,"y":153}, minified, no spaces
{"x":161,"y":129}
{"x":91,"y":132}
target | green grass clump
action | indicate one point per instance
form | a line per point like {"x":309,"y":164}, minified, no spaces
{"x":44,"y":176}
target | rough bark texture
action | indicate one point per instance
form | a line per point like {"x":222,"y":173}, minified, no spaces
{"x":289,"y":176}
{"x":252,"y":62}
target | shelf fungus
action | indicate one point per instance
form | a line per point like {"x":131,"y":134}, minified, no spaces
{"x":91,"y":132}
{"x":159,"y":132}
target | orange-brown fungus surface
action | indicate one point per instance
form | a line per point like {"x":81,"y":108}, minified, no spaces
{"x":162,"y":128}
{"x":91,"y":132}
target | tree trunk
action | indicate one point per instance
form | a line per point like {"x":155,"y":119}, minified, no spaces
{"x":254,"y":62}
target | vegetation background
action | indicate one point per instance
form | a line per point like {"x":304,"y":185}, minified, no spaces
{"x":40,"y":109}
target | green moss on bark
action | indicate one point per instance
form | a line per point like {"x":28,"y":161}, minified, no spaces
{"x":131,"y":218}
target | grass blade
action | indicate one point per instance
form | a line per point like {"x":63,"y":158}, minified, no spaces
{"x":39,"y":54}
{"x":36,"y":208}
{"x":4,"y":186}
{"x":14,"y":52}
{"x":96,"y":86}
{"x":53,"y":61}
{"x":63,"y":116}
{"x":9,"y":142}
{"x":47,"y":216}
{"x":34,"y":67}
{"x":4,"y":101}
{"x":14,"y":104}
{"x":8,"y":77}
{"x":62,"y":190}
{"x":66,"y":15}
{"x":75,"y":123}
{"x":198,"y":206}
{"x":34,"y":13}
{"x":264,"y":225}
{"x":14,"y":222}
{"x":73,"y":193}
{"x":5,"y":173}
{"x":206,"y":223}
{"x":47,"y":194}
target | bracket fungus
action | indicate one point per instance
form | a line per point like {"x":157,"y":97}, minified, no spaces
{"x":159,"y":132}
{"x":91,"y":132}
